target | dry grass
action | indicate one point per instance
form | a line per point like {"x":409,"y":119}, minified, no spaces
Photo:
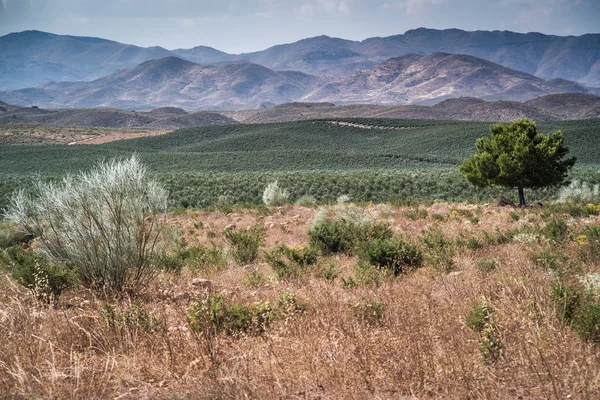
{"x":49,"y":134}
{"x":421,"y":348}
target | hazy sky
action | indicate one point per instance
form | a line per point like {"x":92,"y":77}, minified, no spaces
{"x":247,"y":25}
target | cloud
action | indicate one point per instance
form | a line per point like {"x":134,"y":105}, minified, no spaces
{"x":416,"y":6}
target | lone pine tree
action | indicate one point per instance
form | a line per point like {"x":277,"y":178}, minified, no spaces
{"x":517,"y":156}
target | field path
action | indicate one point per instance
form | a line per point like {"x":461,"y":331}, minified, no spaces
{"x":364,"y":126}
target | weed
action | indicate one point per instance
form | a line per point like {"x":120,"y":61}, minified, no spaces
{"x":487,"y":265}
{"x":392,"y":254}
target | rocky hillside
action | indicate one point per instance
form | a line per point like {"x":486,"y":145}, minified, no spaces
{"x":429,"y":79}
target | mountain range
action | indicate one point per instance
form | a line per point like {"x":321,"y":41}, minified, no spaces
{"x":422,"y":66}
{"x":411,"y":79}
{"x":33,"y":58}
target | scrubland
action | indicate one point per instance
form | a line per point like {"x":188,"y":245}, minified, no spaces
{"x":438,"y":300}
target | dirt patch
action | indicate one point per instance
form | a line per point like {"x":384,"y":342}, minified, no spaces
{"x":118,"y":136}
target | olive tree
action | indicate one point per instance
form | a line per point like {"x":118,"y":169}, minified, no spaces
{"x":517,"y":156}
{"x":106,"y":224}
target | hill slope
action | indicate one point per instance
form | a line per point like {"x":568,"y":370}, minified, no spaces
{"x":32,"y":58}
{"x":435,"y":77}
{"x":172,"y":81}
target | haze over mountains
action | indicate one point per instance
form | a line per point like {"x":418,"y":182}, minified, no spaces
{"x":422,"y":66}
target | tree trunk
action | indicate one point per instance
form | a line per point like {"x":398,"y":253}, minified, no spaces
{"x":521,"y":197}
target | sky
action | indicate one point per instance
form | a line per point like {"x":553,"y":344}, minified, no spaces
{"x":238,"y":26}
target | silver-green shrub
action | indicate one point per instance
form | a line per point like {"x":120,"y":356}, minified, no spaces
{"x":580,"y":192}
{"x":273,"y":195}
{"x":106,"y":224}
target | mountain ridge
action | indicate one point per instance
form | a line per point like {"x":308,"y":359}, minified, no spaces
{"x":45,"y":57}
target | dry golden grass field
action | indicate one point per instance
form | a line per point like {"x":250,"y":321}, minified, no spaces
{"x":342,"y":331}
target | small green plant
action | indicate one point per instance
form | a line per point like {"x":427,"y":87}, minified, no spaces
{"x":392,"y":254}
{"x":254,"y":279}
{"x":369,"y":275}
{"x":291,"y":262}
{"x":215,"y":314}
{"x":369,"y":311}
{"x":514,"y":216}
{"x":556,"y":230}
{"x":131,"y":320}
{"x":440,"y":250}
{"x":224,"y":204}
{"x":474,"y":244}
{"x":345,"y":232}
{"x":480,"y":319}
{"x":329,"y":271}
{"x":245,"y":242}
{"x":579,"y":307}
{"x":43,"y":278}
{"x":487,"y":265}
{"x":206,"y":258}
{"x":547,"y":261}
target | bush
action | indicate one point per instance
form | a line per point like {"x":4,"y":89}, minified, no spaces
{"x":296,"y":262}
{"x":579,"y":192}
{"x":215,"y":314}
{"x":556,"y":230}
{"x":35,"y":272}
{"x":343,"y":229}
{"x":392,"y":254}
{"x":480,"y":319}
{"x":578,"y":305}
{"x":245,"y":242}
{"x":11,"y":235}
{"x":274,"y":196}
{"x":130,"y":321}
{"x":106,"y":224}
{"x":440,"y":250}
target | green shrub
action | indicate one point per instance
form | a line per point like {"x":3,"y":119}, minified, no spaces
{"x":131,"y":320}
{"x":206,"y":258}
{"x":224,"y":204}
{"x":392,"y":254}
{"x":369,"y":311}
{"x":37,"y":273}
{"x":556,"y":230}
{"x":480,"y":319}
{"x":344,"y":229}
{"x":291,"y":262}
{"x":245,"y":242}
{"x":579,"y":307}
{"x":214,"y":315}
{"x":11,"y":235}
{"x":367,"y":275}
{"x":329,"y":272}
{"x":547,"y":261}
{"x":440,"y":250}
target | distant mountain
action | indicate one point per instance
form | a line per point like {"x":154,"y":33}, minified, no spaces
{"x":32,"y":58}
{"x":575,"y":58}
{"x":429,"y":79}
{"x":172,"y":81}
